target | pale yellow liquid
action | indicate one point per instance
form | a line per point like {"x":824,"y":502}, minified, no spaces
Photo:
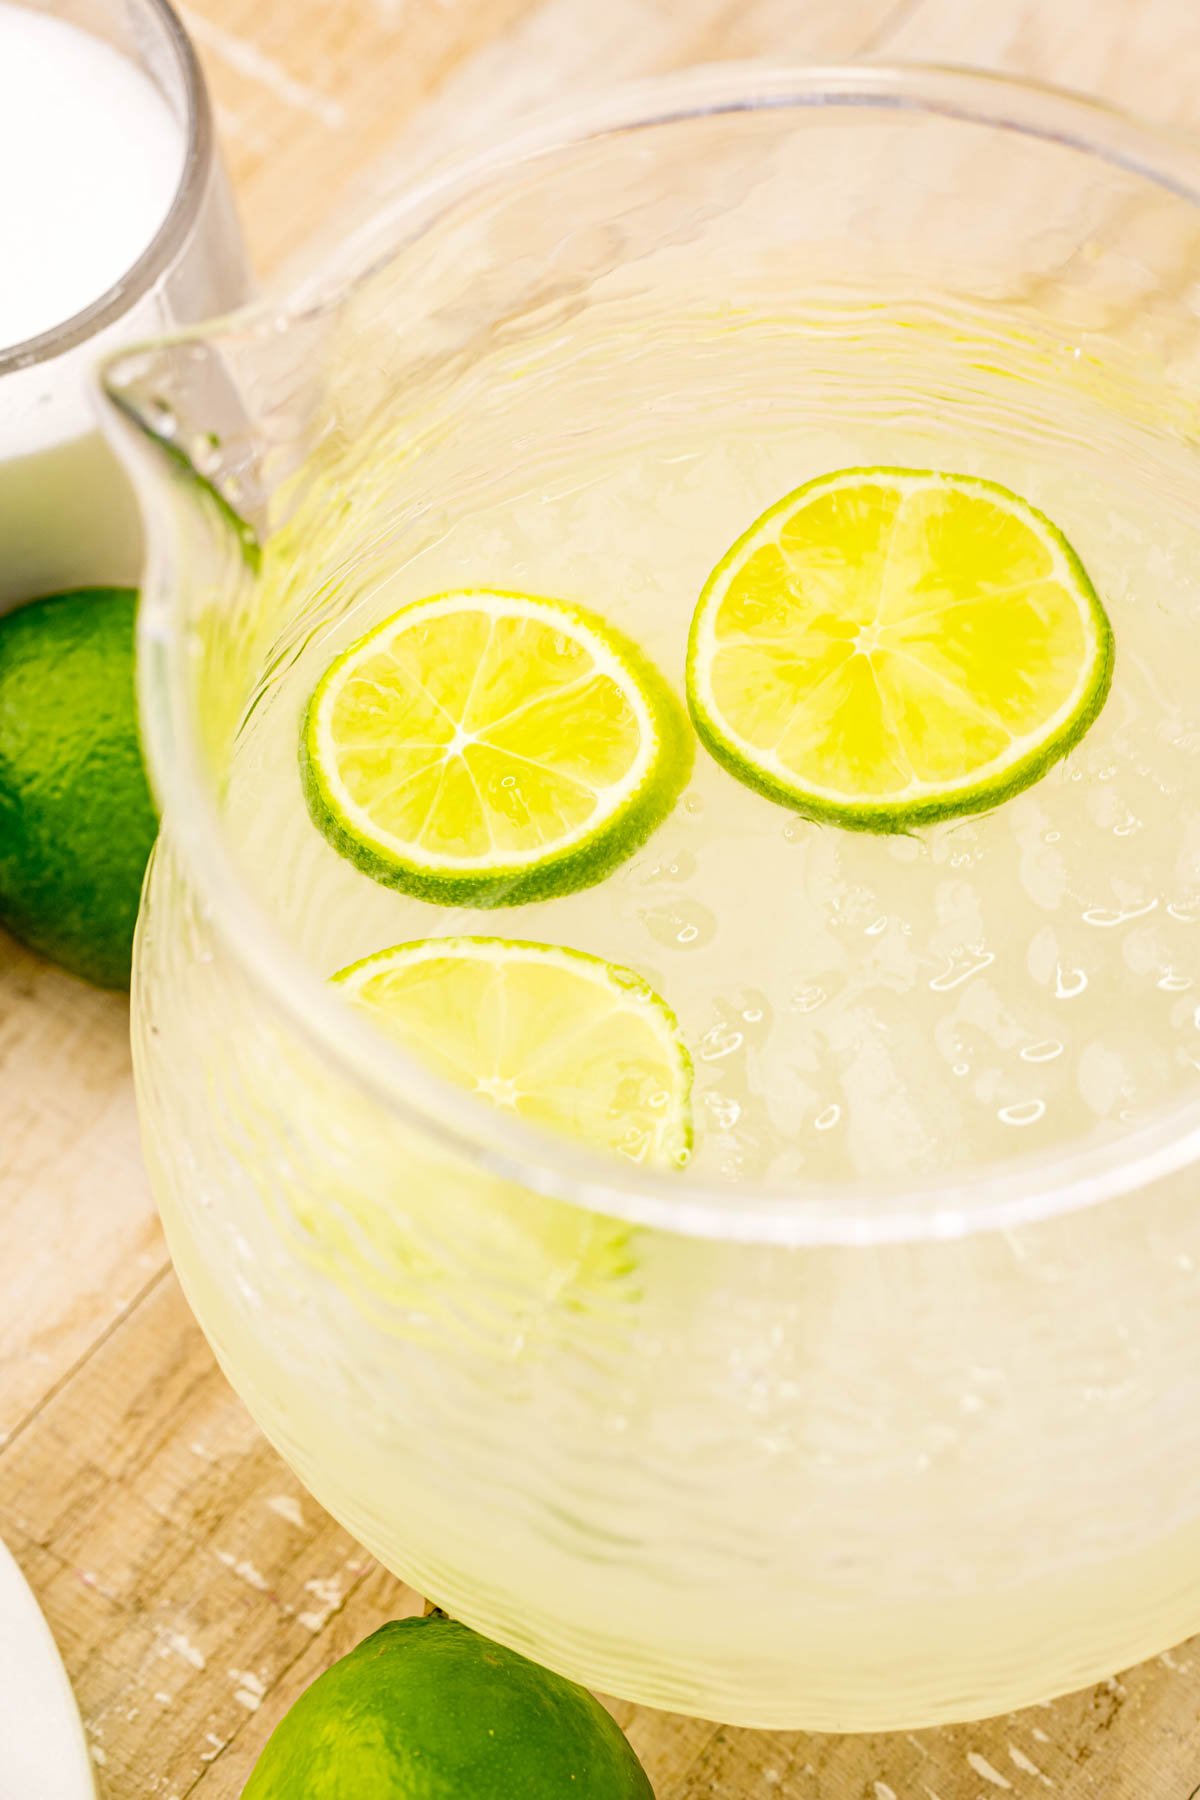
{"x":849,"y":1487}
{"x":856,"y":1005}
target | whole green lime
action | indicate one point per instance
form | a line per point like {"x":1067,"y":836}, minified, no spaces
{"x":76,"y":818}
{"x":425,"y":1709}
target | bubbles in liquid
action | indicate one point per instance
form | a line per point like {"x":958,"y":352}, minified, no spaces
{"x":682,"y":925}
{"x":1024,"y":1112}
{"x":1069,"y":982}
{"x":718,"y":1042}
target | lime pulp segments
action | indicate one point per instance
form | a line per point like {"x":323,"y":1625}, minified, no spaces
{"x":488,"y":748}
{"x":559,"y":1038}
{"x":888,"y":647}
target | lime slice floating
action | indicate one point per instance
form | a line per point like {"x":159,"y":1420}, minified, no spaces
{"x":887,"y":647}
{"x":560,"y":1038}
{"x":490,"y":748}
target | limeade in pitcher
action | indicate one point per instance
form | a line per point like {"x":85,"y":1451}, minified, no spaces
{"x":668,"y":1005}
{"x":809,"y":732}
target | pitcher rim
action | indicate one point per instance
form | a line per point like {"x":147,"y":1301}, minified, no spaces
{"x":864,"y":1212}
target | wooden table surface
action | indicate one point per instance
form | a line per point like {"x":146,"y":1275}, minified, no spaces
{"x":193,"y":1586}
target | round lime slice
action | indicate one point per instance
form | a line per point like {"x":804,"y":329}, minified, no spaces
{"x":488,"y":749}
{"x":557,"y":1037}
{"x":888,"y":647}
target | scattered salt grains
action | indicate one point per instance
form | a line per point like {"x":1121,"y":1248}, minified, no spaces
{"x":287,"y":1508}
{"x":244,"y":1570}
{"x":327,"y":1589}
{"x":1026,"y":1764}
{"x":983,"y":1768}
{"x":176,"y":1643}
{"x":248,"y":1688}
{"x":218,"y":1744}
{"x":329,"y":1594}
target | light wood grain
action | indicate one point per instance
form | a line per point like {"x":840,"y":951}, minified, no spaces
{"x":194,"y":1588}
{"x":78,"y":1235}
{"x":1140,"y":54}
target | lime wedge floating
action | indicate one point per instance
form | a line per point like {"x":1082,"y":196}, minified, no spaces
{"x":887,"y":647}
{"x":557,"y":1037}
{"x":489,"y":748}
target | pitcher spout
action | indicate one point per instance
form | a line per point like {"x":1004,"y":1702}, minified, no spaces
{"x":177,"y":418}
{"x":208,"y":425}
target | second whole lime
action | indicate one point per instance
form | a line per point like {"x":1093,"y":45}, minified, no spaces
{"x":76,"y":819}
{"x":426,"y":1709}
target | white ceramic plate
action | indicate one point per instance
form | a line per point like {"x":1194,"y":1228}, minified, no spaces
{"x":43,"y":1751}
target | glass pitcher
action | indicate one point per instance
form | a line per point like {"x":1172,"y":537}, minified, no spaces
{"x":844,"y":1455}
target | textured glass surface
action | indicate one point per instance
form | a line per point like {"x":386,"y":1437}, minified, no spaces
{"x":845,"y":1453}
